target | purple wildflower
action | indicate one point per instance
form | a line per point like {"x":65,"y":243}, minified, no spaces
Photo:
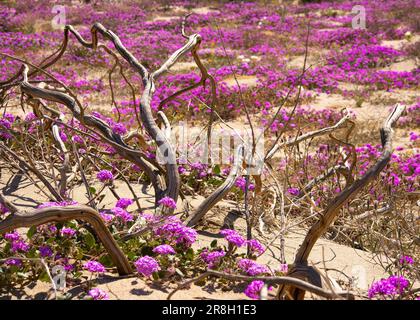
{"x":168,"y":202}
{"x":57,"y":204}
{"x":233,"y":237}
{"x":122,"y":214}
{"x":254,"y":289}
{"x":13,"y":262}
{"x":68,"y":232}
{"x":212,"y":258}
{"x":146,"y":266}
{"x":124,"y":203}
{"x":406,"y":260}
{"x":241,"y":184}
{"x":251,"y":267}
{"x":293,"y":191}
{"x":20,"y":245}
{"x":176,"y":231}
{"x":164,"y":249}
{"x":106,"y":216}
{"x":45,"y":251}
{"x":98,"y":294}
{"x":284,"y":268}
{"x":3,"y":209}
{"x":94,"y":266}
{"x":256,"y":246}
{"x":389,"y":287}
{"x":105,"y":176}
{"x":12,"y":236}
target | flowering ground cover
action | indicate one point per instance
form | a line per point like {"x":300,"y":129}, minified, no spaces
{"x":183,"y":144}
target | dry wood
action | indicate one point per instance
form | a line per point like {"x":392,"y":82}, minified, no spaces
{"x":59,"y":214}
{"x":333,"y":209}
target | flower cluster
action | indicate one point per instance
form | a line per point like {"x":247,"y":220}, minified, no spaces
{"x":122,"y":214}
{"x":233,"y":237}
{"x":123,"y":203}
{"x":164,"y":249}
{"x":98,"y":294}
{"x":253,"y":290}
{"x":176,"y":232}
{"x":252,"y":268}
{"x":147,"y":266}
{"x":394,"y":285}
{"x":105,"y":176}
{"x":57,"y":204}
{"x":212,"y":258}
{"x":168,"y":202}
{"x":68,"y":232}
{"x":17,"y":244}
{"x":94,"y":267}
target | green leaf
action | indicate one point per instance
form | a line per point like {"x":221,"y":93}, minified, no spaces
{"x":216,"y":169}
{"x":44,"y":277}
{"x":189,"y":255}
{"x":92,"y":190}
{"x":31,"y":232}
{"x":213,"y":244}
{"x":106,"y":261}
{"x":131,"y":255}
{"x":90,"y":240}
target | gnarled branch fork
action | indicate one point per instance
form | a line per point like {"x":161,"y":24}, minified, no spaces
{"x":169,"y":186}
{"x":333,"y":209}
{"x":221,"y":191}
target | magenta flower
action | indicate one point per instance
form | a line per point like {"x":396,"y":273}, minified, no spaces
{"x":293,"y":191}
{"x":212,"y":258}
{"x":20,"y":245}
{"x":3,"y":209}
{"x":57,"y":204}
{"x":233,"y":237}
{"x":177,"y":232}
{"x":45,"y":251}
{"x":256,"y":246}
{"x":94,"y":266}
{"x":406,"y":260}
{"x":106,"y":216}
{"x":98,"y":294}
{"x":12,"y":236}
{"x":241,"y":184}
{"x":68,"y":232}
{"x":253,"y":290}
{"x":164,"y":249}
{"x":105,"y":176}
{"x":13,"y":262}
{"x":167,"y":202}
{"x":391,"y":286}
{"x":123,"y":203}
{"x":122,"y":214}
{"x":251,"y":267}
{"x":146,"y":266}
{"x":284,"y":268}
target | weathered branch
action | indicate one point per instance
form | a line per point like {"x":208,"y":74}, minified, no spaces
{"x":333,"y":209}
{"x":59,"y":214}
{"x":267,"y":280}
{"x":221,"y":191}
{"x":309,"y":135}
